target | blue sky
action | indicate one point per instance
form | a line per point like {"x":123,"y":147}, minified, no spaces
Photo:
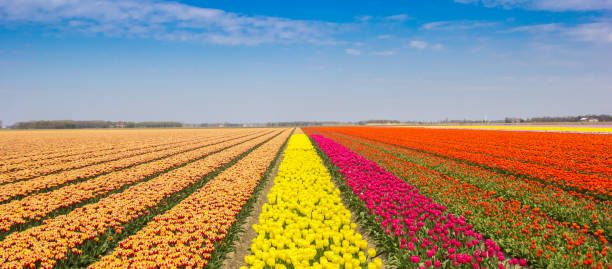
{"x":247,"y":61}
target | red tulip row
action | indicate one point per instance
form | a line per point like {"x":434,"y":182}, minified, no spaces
{"x":53,"y":241}
{"x":185,"y":235}
{"x":39,"y":205}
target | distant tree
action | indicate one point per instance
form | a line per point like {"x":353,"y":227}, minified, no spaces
{"x":70,"y":124}
{"x":158,"y":124}
{"x":377,"y":122}
{"x":602,"y":117}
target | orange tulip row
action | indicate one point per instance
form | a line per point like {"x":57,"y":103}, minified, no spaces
{"x":46,"y":244}
{"x":186,"y":234}
{"x":31,"y":146}
{"x":37,"y":206}
{"x":28,"y":170}
{"x":522,"y":229}
{"x":556,"y":202}
{"x":582,"y":163}
{"x":21,"y":188}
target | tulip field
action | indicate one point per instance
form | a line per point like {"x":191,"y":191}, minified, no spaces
{"x":330,"y":197}
{"x":479,"y":199}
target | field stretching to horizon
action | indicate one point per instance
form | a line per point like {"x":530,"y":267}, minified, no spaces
{"x":317,"y":197}
{"x":569,"y":128}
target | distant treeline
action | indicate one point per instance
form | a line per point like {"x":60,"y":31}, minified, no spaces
{"x":377,"y":122}
{"x":602,"y":117}
{"x":302,"y":123}
{"x":72,"y":124}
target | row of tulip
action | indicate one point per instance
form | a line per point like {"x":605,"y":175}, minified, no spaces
{"x":525,"y":147}
{"x":185,"y":236}
{"x":520,"y":229}
{"x":34,"y":207}
{"x":426,"y":233}
{"x":304,"y":223}
{"x":72,"y":239}
{"x":27,"y":170}
{"x":68,"y":145}
{"x":19,"y":189}
{"x":586,"y":159}
{"x":28,"y":146}
{"x":563,"y":206}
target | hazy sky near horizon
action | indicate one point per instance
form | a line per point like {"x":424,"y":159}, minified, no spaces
{"x":258,"y":61}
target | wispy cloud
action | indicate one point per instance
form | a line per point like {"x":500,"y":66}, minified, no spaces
{"x":351,"y":51}
{"x":438,"y":47}
{"x":538,"y":28}
{"x":599,"y":32}
{"x":421,"y":45}
{"x":363,"y":18}
{"x":398,"y":17}
{"x":456,"y":25}
{"x":385,"y":53}
{"x":592,"y":32}
{"x":383,"y":36}
{"x":551,"y":5}
{"x":418,"y":44}
{"x":383,"y":19}
{"x":163,"y":20}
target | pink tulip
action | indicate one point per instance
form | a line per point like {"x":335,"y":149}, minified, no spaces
{"x":407,"y":215}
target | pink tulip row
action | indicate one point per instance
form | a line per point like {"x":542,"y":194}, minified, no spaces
{"x":426,"y":234}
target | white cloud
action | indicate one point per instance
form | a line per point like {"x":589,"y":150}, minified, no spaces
{"x":421,"y":45}
{"x":456,"y":25}
{"x":538,"y":28}
{"x":598,"y":32}
{"x":383,"y":36}
{"x":363,"y":18}
{"x":398,"y":17}
{"x":351,"y":51}
{"x":551,"y":5}
{"x":418,"y":44}
{"x":162,"y":20}
{"x":438,"y":47}
{"x":592,"y":32}
{"x":385,"y":53}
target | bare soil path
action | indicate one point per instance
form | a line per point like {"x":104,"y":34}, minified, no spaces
{"x":235,"y":259}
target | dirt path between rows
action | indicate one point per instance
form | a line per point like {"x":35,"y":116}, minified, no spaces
{"x":235,"y":259}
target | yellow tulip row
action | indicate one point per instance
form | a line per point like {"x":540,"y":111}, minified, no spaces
{"x":304,"y":224}
{"x":185,"y":235}
{"x":27,"y":170}
{"x":39,"y":205}
{"x":21,"y":188}
{"x":52,"y":241}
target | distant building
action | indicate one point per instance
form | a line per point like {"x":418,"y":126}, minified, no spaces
{"x":513,"y":120}
{"x":588,"y":119}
